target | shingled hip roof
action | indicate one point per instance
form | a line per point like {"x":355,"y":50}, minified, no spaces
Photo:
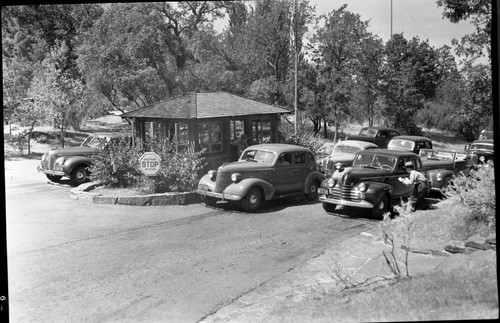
{"x":204,"y":105}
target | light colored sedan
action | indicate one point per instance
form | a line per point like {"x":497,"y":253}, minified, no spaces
{"x":343,"y":155}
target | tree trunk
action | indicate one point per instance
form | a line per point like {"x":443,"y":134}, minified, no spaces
{"x":62,"y":132}
{"x":325,"y":129}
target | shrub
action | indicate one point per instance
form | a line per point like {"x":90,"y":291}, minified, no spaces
{"x":477,"y":192}
{"x":118,"y":166}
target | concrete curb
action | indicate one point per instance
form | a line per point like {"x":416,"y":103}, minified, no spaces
{"x":84,"y":192}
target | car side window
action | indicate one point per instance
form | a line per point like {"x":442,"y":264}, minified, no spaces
{"x":284,"y":159}
{"x":401,"y":166}
{"x":300,"y":158}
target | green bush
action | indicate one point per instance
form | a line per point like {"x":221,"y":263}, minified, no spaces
{"x":477,"y":192}
{"x":118,"y":166}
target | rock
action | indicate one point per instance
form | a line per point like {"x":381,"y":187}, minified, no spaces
{"x":416,"y":250}
{"x":477,"y":245}
{"x":439,"y":253}
{"x":492,"y":241}
{"x":455,"y":247}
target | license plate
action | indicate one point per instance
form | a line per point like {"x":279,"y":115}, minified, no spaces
{"x":323,"y":191}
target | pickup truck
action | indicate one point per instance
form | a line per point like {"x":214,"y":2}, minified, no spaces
{"x":380,"y":136}
{"x":372,"y":181}
{"x":440,"y":166}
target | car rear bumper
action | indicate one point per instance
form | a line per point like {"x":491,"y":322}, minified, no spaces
{"x":220,"y":196}
{"x":50,"y":172}
{"x":361,"y":204}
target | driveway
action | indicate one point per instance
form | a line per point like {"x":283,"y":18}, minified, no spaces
{"x":71,"y":260}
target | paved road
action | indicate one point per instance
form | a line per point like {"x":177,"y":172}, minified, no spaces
{"x":71,"y":260}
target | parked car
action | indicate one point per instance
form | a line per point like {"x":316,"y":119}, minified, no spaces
{"x":343,"y":153}
{"x":410,"y":143}
{"x":372,"y":181}
{"x":74,"y":162}
{"x":481,"y":152}
{"x":486,"y":134}
{"x":380,"y":136}
{"x":440,"y":166}
{"x":263,"y":172}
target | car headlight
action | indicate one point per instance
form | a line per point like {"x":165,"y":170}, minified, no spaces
{"x":362,"y":187}
{"x":236,"y":177}
{"x":482,"y":159}
{"x":60,"y":160}
{"x":439,"y":177}
{"x":331,"y":182}
{"x":212,"y":174}
{"x":44,"y":157}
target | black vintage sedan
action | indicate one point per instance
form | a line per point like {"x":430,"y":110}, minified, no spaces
{"x":481,"y":152}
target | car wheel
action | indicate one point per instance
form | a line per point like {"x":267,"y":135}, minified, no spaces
{"x":79,"y":176}
{"x":313,"y":191}
{"x":252,"y":201}
{"x":208,"y":200}
{"x":329,"y":207}
{"x":53,"y":178}
{"x":381,"y":208}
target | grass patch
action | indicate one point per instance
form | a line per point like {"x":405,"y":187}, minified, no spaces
{"x":468,"y":292}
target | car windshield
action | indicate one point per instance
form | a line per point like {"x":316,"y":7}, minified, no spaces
{"x":368,"y":132}
{"x":401,"y":143}
{"x":341,"y":148}
{"x":374,"y":161}
{"x":260,"y":156}
{"x":481,"y":146}
{"x":95,"y":142}
{"x":437,"y":155}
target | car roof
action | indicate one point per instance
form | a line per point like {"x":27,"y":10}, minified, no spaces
{"x":107,"y":134}
{"x":484,"y":141}
{"x":388,"y":152}
{"x":358,"y":143}
{"x":411,"y":137}
{"x":279,"y":148}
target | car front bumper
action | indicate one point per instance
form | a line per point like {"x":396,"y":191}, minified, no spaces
{"x":50,"y":172}
{"x":362,"y":204}
{"x":220,"y":196}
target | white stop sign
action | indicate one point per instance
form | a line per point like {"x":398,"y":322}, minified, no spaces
{"x":149,"y":163}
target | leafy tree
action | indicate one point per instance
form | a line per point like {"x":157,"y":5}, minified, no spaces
{"x":143,"y":53}
{"x":410,"y":77}
{"x":477,"y":108}
{"x":32,"y":34}
{"x":479,"y":13}
{"x":336,"y":52}
{"x":367,"y":83}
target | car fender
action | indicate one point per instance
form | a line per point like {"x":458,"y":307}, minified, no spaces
{"x":207,"y":181}
{"x":375,"y":191}
{"x":72,"y":162}
{"x":310,"y":178}
{"x":242,"y":187}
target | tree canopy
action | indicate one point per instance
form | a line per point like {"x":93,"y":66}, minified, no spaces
{"x":76,"y":61}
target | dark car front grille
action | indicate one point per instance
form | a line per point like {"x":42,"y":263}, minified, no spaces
{"x":222,"y":181}
{"x":344,"y":192}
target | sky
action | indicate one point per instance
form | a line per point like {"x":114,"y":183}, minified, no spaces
{"x":421,"y":18}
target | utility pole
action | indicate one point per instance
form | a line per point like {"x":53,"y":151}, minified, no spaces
{"x":293,"y":41}
{"x":391,"y":19}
